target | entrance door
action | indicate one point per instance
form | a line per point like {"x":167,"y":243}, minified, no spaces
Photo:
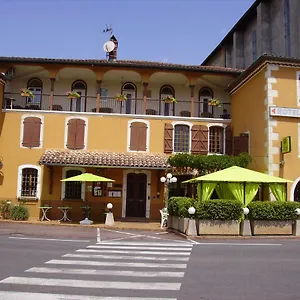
{"x":36,"y":101}
{"x":297,"y":192}
{"x":130,"y":96}
{"x":136,"y":195}
{"x":78,"y":104}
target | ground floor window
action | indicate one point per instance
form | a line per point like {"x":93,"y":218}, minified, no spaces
{"x":73,"y":188}
{"x":29,"y":181}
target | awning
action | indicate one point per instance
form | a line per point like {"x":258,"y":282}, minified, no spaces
{"x":104,"y":159}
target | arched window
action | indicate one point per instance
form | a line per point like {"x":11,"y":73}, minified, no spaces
{"x":165,"y":91}
{"x":216,"y":139}
{"x":130,"y":91}
{"x":35,"y":85}
{"x":79,"y":104}
{"x":182,"y":138}
{"x":205,"y":94}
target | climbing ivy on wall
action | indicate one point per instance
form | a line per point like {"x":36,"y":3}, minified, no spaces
{"x":205,"y":164}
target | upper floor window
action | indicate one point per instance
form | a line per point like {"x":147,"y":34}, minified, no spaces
{"x":76,"y":133}
{"x":254,"y":45}
{"x":138,"y":136}
{"x":31,"y":132}
{"x":182,"y":138}
{"x":205,"y":94}
{"x":35,"y":85}
{"x":165,"y":91}
{"x":216,"y":139}
{"x":287,"y":29}
{"x":29,"y":181}
{"x":72,"y":189}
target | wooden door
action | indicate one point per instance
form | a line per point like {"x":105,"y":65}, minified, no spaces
{"x":136,"y":195}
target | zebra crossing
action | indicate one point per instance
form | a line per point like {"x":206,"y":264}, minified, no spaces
{"x":106,"y":271}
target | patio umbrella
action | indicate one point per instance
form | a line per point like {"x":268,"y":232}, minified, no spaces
{"x":87,"y":177}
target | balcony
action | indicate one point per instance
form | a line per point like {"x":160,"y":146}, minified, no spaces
{"x":108,"y":105}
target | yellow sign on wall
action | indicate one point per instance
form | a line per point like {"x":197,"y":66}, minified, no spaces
{"x":286,"y":144}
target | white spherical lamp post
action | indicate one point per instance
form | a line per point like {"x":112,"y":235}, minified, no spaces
{"x":167,"y":180}
{"x":109,"y":220}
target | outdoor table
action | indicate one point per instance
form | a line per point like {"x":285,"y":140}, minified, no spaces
{"x":65,"y":210}
{"x":44,"y":210}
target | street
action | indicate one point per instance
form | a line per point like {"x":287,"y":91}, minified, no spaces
{"x":51,"y":262}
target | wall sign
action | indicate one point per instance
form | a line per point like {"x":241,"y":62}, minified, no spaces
{"x":285,"y":112}
{"x":115,"y":194}
{"x":286,"y":144}
{"x":97,"y":189}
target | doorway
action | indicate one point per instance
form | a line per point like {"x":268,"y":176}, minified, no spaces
{"x":129,"y":90}
{"x":78,"y":104}
{"x":297,"y":192}
{"x":136,"y":195}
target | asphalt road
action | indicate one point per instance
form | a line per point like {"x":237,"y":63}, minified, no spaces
{"x":129,"y":265}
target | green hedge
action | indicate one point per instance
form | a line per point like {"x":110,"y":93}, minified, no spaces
{"x":178,"y":206}
{"x":267,"y":210}
{"x":219,"y":210}
{"x":19,"y":213}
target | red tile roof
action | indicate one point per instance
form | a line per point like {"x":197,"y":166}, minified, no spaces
{"x":122,"y":63}
{"x":104,"y":159}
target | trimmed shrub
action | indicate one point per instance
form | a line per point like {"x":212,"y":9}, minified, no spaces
{"x":219,"y":210}
{"x":5,"y":209}
{"x":178,"y":206}
{"x":19,"y":213}
{"x":271,"y":210}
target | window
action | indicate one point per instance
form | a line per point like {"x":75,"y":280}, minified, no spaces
{"x":31,"y":132}
{"x":29,"y":181}
{"x":216,"y":139}
{"x":138,"y":135}
{"x":73,"y":189}
{"x":35,"y":85}
{"x":76,"y":135}
{"x":182,"y":138}
{"x":205,"y":94}
{"x":254,"y":45}
{"x":287,"y":30}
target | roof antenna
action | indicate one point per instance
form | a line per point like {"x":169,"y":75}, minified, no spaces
{"x":108,"y":30}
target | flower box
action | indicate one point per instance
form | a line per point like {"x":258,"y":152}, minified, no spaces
{"x":120,"y":97}
{"x":271,"y":227}
{"x":183,"y":224}
{"x":26,"y":93}
{"x":214,"y":102}
{"x":219,"y":227}
{"x":170,"y":99}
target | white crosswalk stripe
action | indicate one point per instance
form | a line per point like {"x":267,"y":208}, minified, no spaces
{"x":135,"y":269}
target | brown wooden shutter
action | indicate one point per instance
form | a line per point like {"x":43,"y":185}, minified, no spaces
{"x":31,"y":132}
{"x":168,"y":139}
{"x":196,"y":139}
{"x":228,"y":140}
{"x":142,"y":142}
{"x":71,"y":134}
{"x":79,"y":137}
{"x":203,"y":139}
{"x":241,"y":144}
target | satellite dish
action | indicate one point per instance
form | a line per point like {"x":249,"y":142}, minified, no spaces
{"x":109,"y":46}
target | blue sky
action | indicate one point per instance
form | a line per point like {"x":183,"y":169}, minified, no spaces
{"x":175,"y":31}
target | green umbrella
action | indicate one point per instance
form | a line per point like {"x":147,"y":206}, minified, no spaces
{"x":87,"y":177}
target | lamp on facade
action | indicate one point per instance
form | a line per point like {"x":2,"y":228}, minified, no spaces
{"x":167,"y":180}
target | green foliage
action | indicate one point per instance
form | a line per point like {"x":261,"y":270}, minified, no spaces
{"x":178,"y":206}
{"x":5,"y":209}
{"x":219,"y":210}
{"x":19,"y":213}
{"x":206,"y":164}
{"x":267,"y":210}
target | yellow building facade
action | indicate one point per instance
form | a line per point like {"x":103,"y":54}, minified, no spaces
{"x":48,"y":137}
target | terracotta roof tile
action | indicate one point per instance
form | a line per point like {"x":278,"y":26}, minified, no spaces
{"x":122,"y":63}
{"x":107,"y":159}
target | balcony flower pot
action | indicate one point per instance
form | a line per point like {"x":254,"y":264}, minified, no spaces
{"x":214,"y":102}
{"x":73,"y":95}
{"x":170,"y":99}
{"x":27,"y":93}
{"x":120,"y":97}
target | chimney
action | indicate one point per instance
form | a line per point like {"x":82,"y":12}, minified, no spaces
{"x":113,"y":54}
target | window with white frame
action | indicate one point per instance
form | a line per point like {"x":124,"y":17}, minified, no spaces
{"x":29,"y":181}
{"x":181,"y":138}
{"x":216,"y":139}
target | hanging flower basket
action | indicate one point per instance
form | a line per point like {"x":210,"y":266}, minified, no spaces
{"x":26,"y":93}
{"x":170,"y":99}
{"x":120,"y":97}
{"x":72,"y":95}
{"x":214,"y":102}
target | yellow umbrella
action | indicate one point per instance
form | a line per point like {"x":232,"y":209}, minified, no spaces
{"x":87,"y":177}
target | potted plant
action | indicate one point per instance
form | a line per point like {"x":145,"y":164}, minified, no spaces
{"x":214,"y":102}
{"x":72,"y":95}
{"x":27,"y":93}
{"x":120,"y":97}
{"x":170,"y":99}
